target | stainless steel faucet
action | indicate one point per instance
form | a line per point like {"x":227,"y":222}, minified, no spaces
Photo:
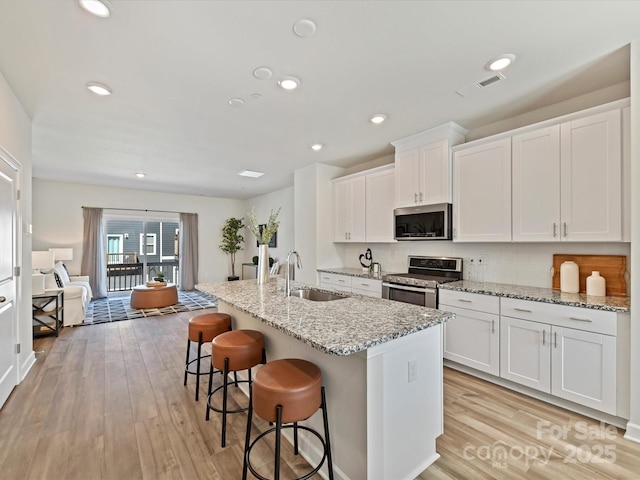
{"x":287,"y":279}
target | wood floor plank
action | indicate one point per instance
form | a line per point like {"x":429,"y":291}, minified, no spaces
{"x":107,"y":402}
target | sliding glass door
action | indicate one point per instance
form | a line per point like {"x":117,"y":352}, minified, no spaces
{"x":139,"y":250}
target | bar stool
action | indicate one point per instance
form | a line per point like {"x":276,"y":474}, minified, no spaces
{"x":287,"y":391}
{"x":203,"y":328}
{"x":231,"y":352}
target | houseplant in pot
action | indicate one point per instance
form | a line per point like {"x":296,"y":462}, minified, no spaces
{"x":263,"y":235}
{"x":232,"y":242}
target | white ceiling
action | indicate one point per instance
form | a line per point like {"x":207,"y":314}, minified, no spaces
{"x":174,"y":65}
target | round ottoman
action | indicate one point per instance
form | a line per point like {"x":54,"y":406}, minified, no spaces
{"x":143,"y":297}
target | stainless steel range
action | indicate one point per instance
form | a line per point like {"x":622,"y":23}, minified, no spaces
{"x":420,"y":285}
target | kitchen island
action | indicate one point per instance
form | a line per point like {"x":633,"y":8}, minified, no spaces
{"x":381,"y":364}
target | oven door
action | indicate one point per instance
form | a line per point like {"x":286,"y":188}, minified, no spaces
{"x":424,"y":297}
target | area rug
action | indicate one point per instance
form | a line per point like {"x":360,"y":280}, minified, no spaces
{"x":114,"y":309}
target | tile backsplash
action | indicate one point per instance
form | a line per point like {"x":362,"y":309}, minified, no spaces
{"x":514,"y":263}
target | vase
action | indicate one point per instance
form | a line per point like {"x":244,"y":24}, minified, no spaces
{"x":262,"y":275}
{"x":569,"y":277}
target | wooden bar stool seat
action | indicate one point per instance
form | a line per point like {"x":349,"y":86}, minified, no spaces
{"x":231,"y":352}
{"x":287,"y":391}
{"x":203,"y":328}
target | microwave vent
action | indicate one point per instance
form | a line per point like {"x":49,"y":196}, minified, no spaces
{"x":466,"y":91}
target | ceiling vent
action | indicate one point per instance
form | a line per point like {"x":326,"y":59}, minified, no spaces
{"x":466,"y":91}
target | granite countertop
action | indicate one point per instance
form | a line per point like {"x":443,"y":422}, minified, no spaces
{"x":338,"y":327}
{"x":546,"y":295}
{"x":353,"y":272}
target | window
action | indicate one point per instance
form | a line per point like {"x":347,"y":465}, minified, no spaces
{"x":148,"y":247}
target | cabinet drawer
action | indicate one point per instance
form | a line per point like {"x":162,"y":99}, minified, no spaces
{"x":368,"y":285}
{"x":471,"y":301}
{"x":335,"y":279}
{"x":587,"y":319}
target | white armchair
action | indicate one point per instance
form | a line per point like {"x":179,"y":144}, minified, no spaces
{"x":74,"y":281}
{"x":74,"y":303}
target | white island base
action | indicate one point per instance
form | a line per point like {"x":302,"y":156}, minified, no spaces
{"x":384,"y":403}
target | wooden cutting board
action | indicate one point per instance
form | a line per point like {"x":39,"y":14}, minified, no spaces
{"x":611,"y":267}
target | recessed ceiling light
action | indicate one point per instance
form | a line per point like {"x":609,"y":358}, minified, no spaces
{"x":289,"y":83}
{"x":317,"y":147}
{"x":304,"y":28}
{"x":251,"y":174}
{"x":99,"y":89}
{"x":378,"y":118}
{"x":141,"y":174}
{"x":501,"y":62}
{"x":236,"y":102}
{"x":99,"y":8}
{"x":263,"y":73}
{"x":256,"y":96}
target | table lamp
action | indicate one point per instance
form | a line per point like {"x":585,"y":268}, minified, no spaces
{"x":62,"y":254}
{"x":40,"y":260}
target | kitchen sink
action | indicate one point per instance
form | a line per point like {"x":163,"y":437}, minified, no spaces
{"x":316,"y":295}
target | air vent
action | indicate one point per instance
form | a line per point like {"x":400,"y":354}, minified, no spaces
{"x":465,"y":91}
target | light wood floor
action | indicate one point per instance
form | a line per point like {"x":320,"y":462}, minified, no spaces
{"x":107,"y":402}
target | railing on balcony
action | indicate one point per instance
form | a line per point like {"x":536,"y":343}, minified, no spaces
{"x":125,"y":271}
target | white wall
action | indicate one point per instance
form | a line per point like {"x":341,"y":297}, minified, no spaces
{"x":15,"y":138}
{"x":264,"y":205}
{"x":58,"y":221}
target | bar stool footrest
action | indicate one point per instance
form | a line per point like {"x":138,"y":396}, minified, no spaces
{"x":186,"y":367}
{"x":219,"y":410}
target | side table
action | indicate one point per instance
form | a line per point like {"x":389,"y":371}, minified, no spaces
{"x":46,"y":322}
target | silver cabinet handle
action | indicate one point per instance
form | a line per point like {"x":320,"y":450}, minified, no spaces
{"x":565,"y":229}
{"x":554,"y":229}
{"x":465,"y":301}
{"x":581,"y":319}
{"x":555,"y":339}
{"x":415,"y":198}
{"x":364,"y":284}
{"x":421,"y":196}
{"x":522,"y":310}
{"x":544,"y":337}
{"x":341,"y":281}
{"x":493,"y":326}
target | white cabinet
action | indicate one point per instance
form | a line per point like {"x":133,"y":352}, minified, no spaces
{"x":569,"y":352}
{"x":380,"y":187}
{"x":590,"y":198}
{"x":482,"y":192}
{"x":473,"y":337}
{"x":347,"y":283}
{"x":626,"y":174}
{"x":423,"y":166}
{"x":349,"y":210}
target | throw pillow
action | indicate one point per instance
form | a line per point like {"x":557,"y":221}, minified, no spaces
{"x":60,"y":270}
{"x":58,"y":281}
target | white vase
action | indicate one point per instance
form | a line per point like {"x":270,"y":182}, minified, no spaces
{"x":596,"y":285}
{"x":569,"y":277}
{"x":263,"y":264}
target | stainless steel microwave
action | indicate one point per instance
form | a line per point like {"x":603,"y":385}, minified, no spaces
{"x":424,"y":222}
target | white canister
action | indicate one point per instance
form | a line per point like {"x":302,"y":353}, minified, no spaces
{"x":596,"y":285}
{"x":569,"y":277}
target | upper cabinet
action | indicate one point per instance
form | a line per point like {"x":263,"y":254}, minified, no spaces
{"x":423,"y":166}
{"x":363,"y":206}
{"x":566,"y":181}
{"x":626,"y":174}
{"x":482,"y":193}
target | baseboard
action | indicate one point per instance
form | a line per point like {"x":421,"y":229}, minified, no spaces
{"x":633,"y":432}
{"x":25,"y":368}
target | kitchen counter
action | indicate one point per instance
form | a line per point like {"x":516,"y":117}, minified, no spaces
{"x":337,"y":327}
{"x":381,"y":364}
{"x":353,"y":272}
{"x":546,"y":295}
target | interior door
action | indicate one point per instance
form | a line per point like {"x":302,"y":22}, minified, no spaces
{"x":8,"y":320}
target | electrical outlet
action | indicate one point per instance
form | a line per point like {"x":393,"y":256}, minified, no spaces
{"x":413,"y":370}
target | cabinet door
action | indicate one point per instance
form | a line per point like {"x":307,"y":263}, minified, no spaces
{"x":473,"y":339}
{"x":435,"y":173}
{"x":407,"y":178}
{"x":341,"y":207}
{"x":584,"y":368}
{"x":626,"y":174}
{"x":591,"y":159}
{"x":536,"y":185}
{"x":482,"y":193}
{"x":525,"y":357}
{"x":357,"y":230}
{"x":380,"y":192}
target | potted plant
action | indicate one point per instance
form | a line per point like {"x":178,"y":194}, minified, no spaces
{"x":232,"y":242}
{"x":159,"y":277}
{"x":263,"y":234}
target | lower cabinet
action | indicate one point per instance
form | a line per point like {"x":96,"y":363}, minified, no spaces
{"x":574,"y":353}
{"x":348,"y":283}
{"x":473,"y":338}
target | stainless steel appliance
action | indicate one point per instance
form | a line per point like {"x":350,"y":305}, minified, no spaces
{"x":425,"y":222}
{"x":420,"y":285}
